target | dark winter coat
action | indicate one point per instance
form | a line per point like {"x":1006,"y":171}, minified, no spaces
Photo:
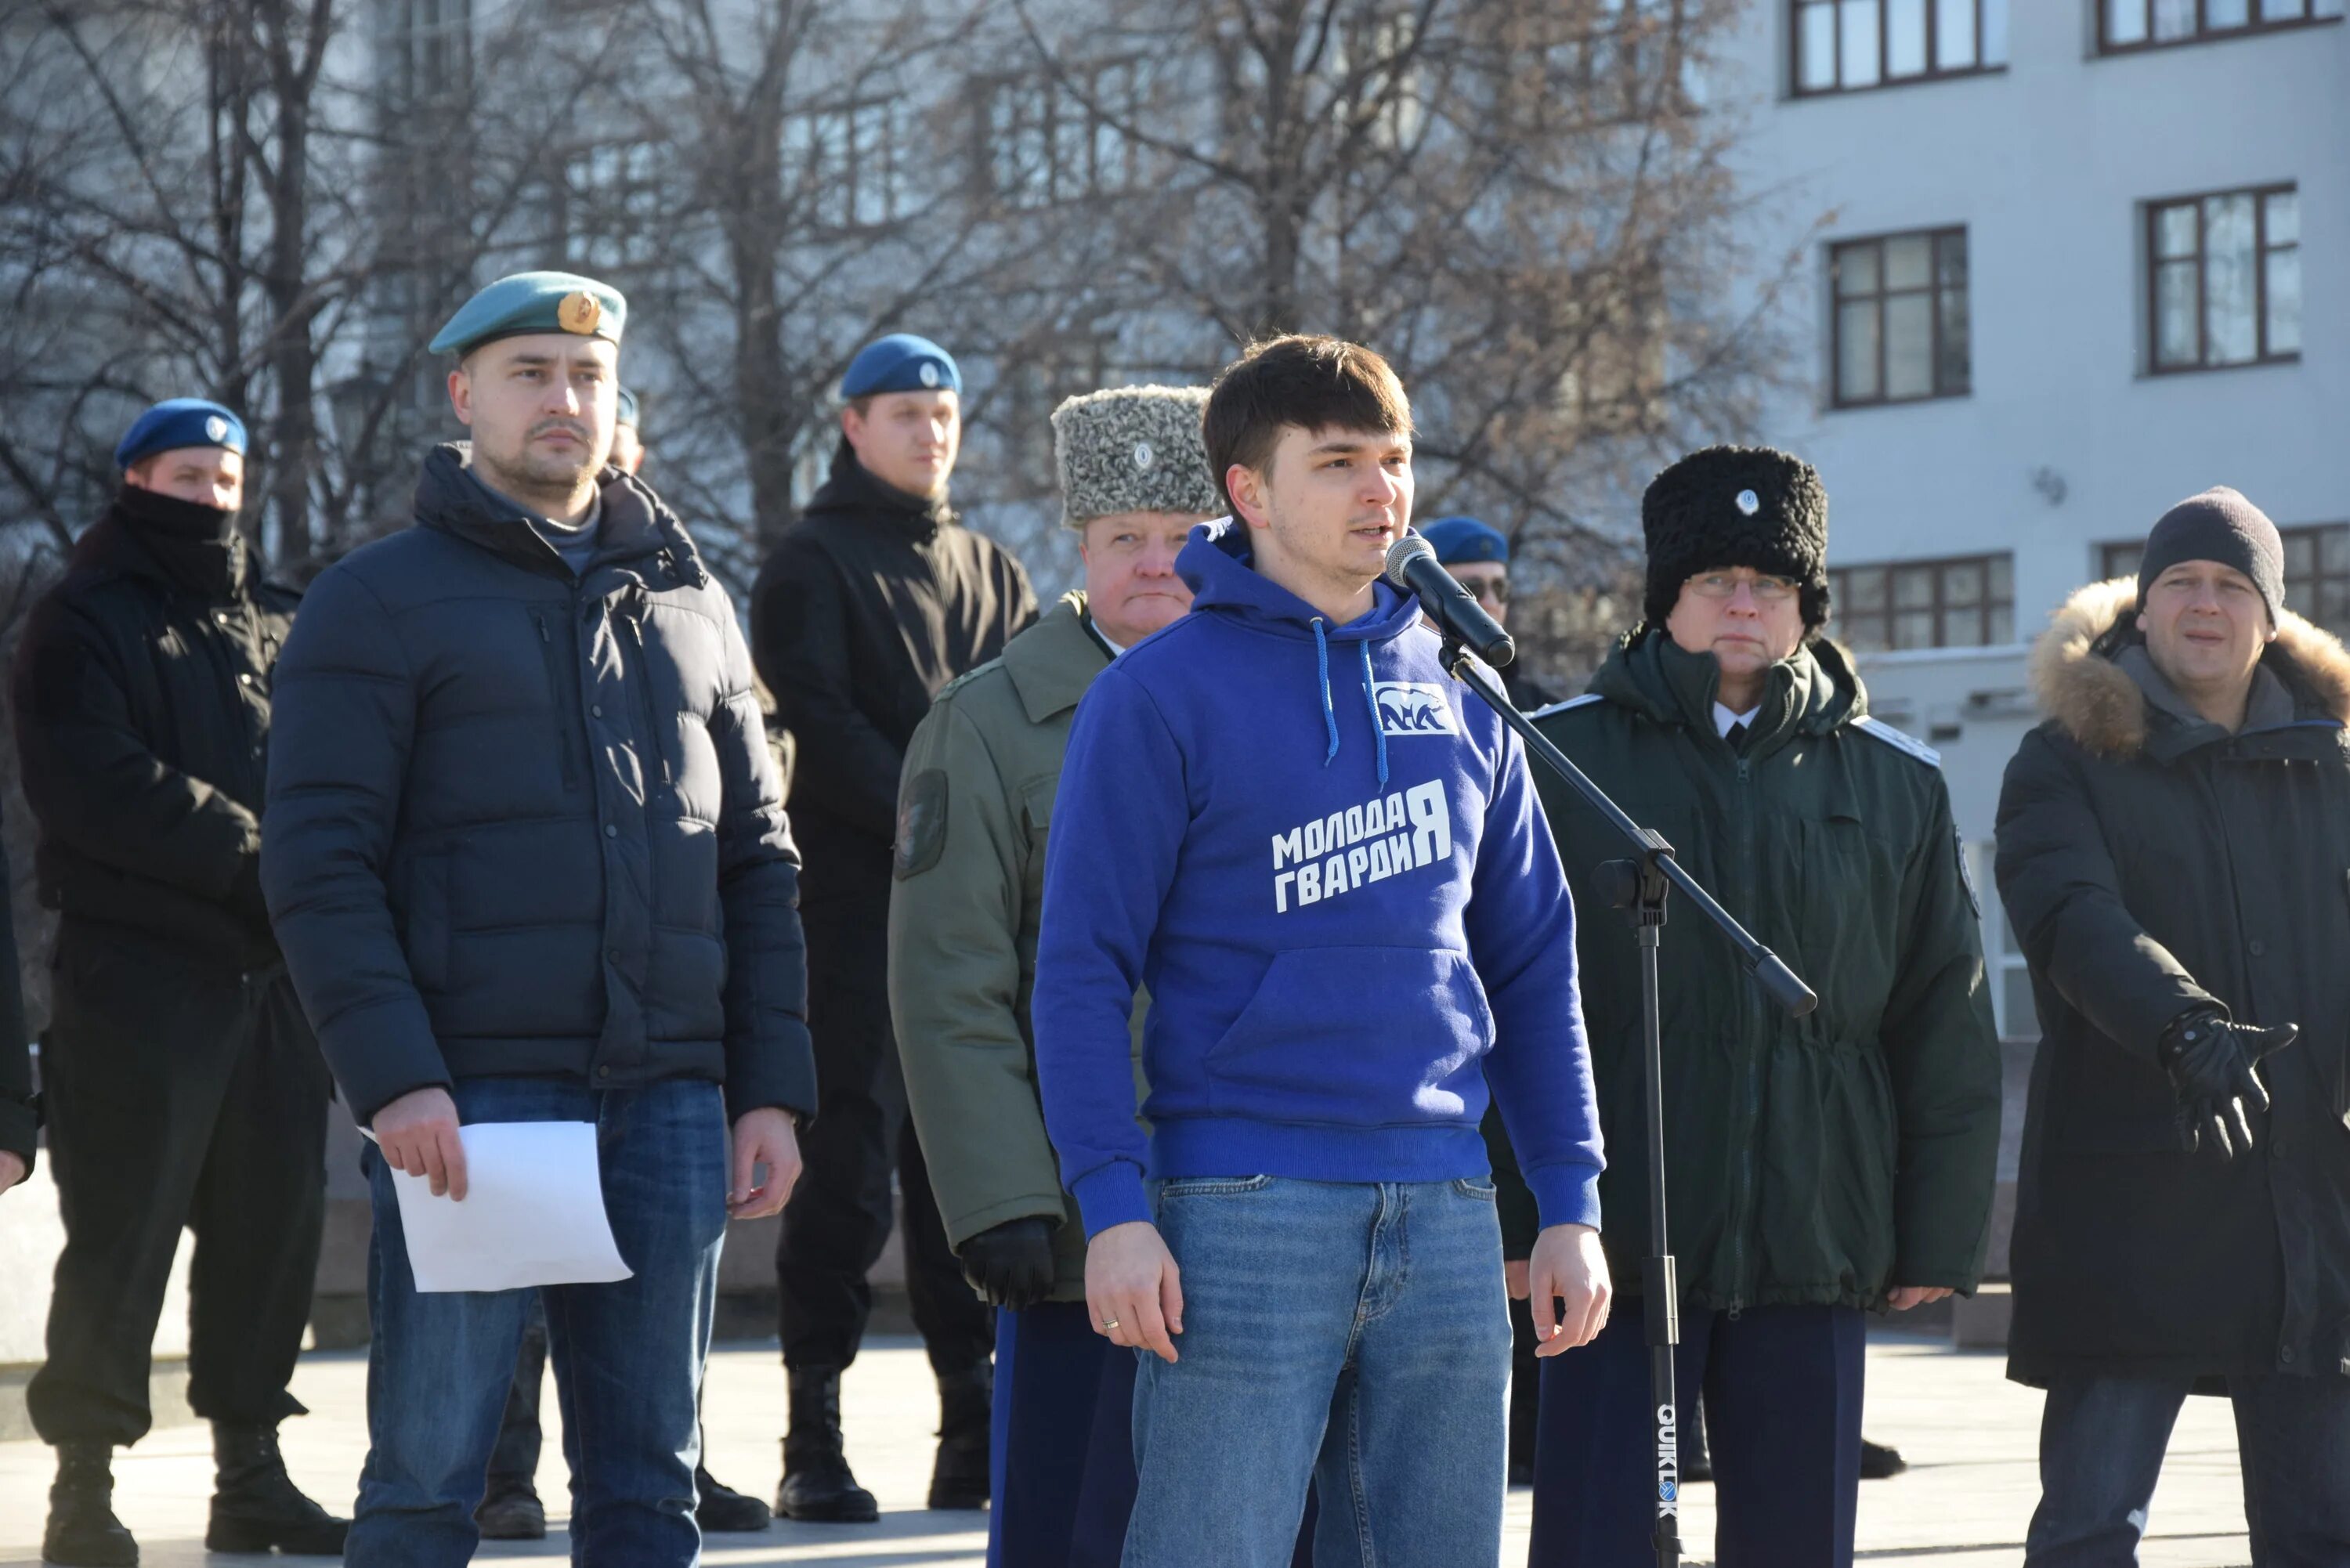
{"x":523,"y":822}
{"x":20,"y":1119}
{"x":2152,"y":863}
{"x":141,"y":691}
{"x":871,"y":602}
{"x":1820,"y":1159}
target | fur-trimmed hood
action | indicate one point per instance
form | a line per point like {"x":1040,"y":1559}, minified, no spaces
{"x":2097,"y":701}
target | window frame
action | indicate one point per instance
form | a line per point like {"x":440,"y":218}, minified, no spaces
{"x":1055,"y":185}
{"x":1840,"y":612}
{"x":1934,"y":238}
{"x":2204,"y":32}
{"x":2150,"y":217}
{"x":1884,"y":79}
{"x":804,"y":162}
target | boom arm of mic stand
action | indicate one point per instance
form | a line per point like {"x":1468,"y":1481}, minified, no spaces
{"x":1779,"y":983}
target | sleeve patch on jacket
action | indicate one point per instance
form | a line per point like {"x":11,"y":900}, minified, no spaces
{"x":921,"y":822}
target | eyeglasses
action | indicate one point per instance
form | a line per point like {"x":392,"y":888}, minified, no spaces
{"x":1767,"y":590}
{"x":1493,"y":590}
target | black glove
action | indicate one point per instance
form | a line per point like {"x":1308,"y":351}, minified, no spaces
{"x":1011,"y":1264}
{"x":2211,"y":1063}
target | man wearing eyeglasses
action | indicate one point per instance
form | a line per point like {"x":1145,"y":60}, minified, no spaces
{"x":1815,"y":1167}
{"x":1478,"y":557}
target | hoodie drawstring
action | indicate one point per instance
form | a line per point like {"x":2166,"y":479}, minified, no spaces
{"x":1329,"y":714}
{"x":1371,"y":696}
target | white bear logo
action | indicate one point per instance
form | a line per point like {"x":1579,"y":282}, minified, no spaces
{"x":1414,"y":708}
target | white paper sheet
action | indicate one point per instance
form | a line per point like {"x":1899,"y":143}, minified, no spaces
{"x":532,"y":1214}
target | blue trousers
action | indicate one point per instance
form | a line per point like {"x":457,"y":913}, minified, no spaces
{"x":2101,"y":1448}
{"x":1351,"y":1336}
{"x":1064,"y":1444}
{"x":1781,"y":1389}
{"x":627,"y":1354}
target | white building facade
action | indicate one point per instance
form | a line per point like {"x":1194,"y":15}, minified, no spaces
{"x":2057,"y":264}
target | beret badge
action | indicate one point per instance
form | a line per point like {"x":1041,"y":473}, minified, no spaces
{"x":579,"y":312}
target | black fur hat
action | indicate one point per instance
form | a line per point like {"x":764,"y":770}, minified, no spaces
{"x":1736,"y":506}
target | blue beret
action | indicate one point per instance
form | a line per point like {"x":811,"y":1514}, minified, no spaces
{"x":900,"y":362}
{"x":626,"y":401}
{"x":176,"y":422}
{"x":1456,"y":540}
{"x":531,"y":302}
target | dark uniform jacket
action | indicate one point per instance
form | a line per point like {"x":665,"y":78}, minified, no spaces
{"x":523,"y":822}
{"x":141,"y":691}
{"x":976,"y":811}
{"x":1822,"y":1159}
{"x":871,"y":602}
{"x":19,"y":1111}
{"x":2152,"y":863}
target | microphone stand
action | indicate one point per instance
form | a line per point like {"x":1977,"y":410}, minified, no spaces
{"x":1638,"y":887}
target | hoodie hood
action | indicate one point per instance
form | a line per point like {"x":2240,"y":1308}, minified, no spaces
{"x":1220,"y":567}
{"x":2082,"y":677}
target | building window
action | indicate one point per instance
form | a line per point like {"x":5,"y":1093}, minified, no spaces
{"x":1966,"y":602}
{"x":1043,"y":141}
{"x":845,"y":160}
{"x":2316,"y":571}
{"x":2223,"y":279}
{"x":1899,"y":329}
{"x":2126,"y":25}
{"x":1843,"y":45}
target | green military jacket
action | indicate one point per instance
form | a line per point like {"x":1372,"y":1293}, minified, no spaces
{"x":1824,"y":1159}
{"x":974,"y":805}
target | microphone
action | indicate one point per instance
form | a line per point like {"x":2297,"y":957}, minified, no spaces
{"x":1412,"y":565}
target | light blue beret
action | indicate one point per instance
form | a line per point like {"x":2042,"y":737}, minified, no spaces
{"x":1456,"y":540}
{"x":176,"y":422}
{"x":531,"y":302}
{"x":900,"y":362}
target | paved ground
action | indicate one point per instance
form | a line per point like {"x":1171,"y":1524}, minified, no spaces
{"x":1968,"y":1434}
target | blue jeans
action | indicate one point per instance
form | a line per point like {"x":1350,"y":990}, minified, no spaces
{"x":1782,"y":1393}
{"x":628,"y":1355}
{"x":2101,"y":1448}
{"x":1351,"y":1335}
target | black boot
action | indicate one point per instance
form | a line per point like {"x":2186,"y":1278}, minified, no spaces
{"x":83,"y":1531}
{"x":256,"y":1505}
{"x":720,"y":1508}
{"x":817,"y":1485}
{"x":1879,"y":1462}
{"x":511,"y":1510}
{"x":959,"y":1479}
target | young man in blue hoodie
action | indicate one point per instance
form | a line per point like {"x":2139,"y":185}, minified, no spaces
{"x":1324,"y":859}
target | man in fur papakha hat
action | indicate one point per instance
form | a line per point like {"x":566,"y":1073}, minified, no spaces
{"x":973,"y":810}
{"x":2173,"y":846}
{"x":1822,"y":1166}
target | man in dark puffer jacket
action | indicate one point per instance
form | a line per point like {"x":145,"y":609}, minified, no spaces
{"x":529,"y":862}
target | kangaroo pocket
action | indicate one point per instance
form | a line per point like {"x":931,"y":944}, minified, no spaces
{"x":1359,"y":1037}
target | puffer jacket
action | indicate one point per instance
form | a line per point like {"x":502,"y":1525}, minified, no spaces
{"x":521,"y":822}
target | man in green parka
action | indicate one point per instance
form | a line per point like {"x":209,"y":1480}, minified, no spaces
{"x":974,"y":806}
{"x":1815,"y":1167}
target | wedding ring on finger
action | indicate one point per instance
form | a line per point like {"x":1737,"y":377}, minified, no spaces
{"x":1109,"y":1325}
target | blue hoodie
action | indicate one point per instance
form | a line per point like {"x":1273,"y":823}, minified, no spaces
{"x":1323,"y":857}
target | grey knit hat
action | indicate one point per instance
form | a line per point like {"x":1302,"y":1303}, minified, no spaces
{"x":1133,"y":449}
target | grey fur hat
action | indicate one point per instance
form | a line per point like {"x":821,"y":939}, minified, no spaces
{"x":1133,"y":449}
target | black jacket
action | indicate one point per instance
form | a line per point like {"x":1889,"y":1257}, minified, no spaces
{"x":2151,"y":863}
{"x":521,"y":822}
{"x":20,"y":1119}
{"x":141,"y":691}
{"x":871,"y":601}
